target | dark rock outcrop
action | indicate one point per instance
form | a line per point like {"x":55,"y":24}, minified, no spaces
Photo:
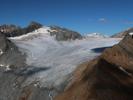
{"x":10,"y":30}
{"x":63,"y":34}
{"x":108,"y":77}
{"x":32,"y":27}
{"x":9,"y":54}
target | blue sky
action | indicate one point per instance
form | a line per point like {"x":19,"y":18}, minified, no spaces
{"x":84,"y":16}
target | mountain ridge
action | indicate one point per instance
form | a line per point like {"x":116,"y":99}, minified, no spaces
{"x":61,"y":34}
{"x":96,"y":35}
{"x":123,"y":33}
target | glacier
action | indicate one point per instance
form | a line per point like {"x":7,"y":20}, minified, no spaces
{"x":60,"y":58}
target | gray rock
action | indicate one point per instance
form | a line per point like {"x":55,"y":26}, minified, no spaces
{"x":10,"y":56}
{"x":63,"y":34}
{"x":14,"y":72}
{"x":13,"y":30}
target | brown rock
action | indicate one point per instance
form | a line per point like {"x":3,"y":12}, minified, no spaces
{"x":109,"y":77}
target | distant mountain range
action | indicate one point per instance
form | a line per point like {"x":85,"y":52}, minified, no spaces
{"x":96,"y":35}
{"x":61,"y":34}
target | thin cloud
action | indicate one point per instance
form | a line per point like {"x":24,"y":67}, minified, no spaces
{"x":128,"y":21}
{"x":102,"y":20}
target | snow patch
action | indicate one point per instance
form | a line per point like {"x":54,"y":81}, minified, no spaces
{"x":6,"y":67}
{"x":31,"y":35}
{"x":131,"y":33}
{"x":1,"y":52}
{"x":122,"y":69}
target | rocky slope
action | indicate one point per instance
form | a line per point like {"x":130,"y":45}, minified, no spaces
{"x":13,"y":30}
{"x":123,"y":33}
{"x":14,"y":72}
{"x":108,"y":77}
{"x":10,"y":56}
{"x":61,"y":34}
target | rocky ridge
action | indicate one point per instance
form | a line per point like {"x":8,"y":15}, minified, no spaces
{"x":123,"y":33}
{"x":108,"y":77}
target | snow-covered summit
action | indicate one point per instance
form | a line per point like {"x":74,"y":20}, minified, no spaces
{"x":96,"y":35}
{"x":39,"y":32}
{"x":131,"y":33}
{"x":60,"y":34}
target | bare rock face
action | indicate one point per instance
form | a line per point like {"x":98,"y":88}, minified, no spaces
{"x":10,"y":56}
{"x":32,"y":27}
{"x":108,"y":77}
{"x":63,"y":34}
{"x":9,"y":30}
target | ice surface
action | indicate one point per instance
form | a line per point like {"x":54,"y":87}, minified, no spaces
{"x":61,"y":58}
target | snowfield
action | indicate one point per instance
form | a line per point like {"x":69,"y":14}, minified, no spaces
{"x":96,"y":35}
{"x":59,"y":59}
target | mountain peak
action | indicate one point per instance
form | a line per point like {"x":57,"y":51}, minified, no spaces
{"x":96,"y":35}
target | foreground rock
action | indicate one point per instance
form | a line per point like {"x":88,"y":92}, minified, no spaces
{"x":10,"y":56}
{"x":108,"y":77}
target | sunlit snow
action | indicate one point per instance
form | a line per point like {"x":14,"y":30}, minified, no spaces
{"x":131,"y":34}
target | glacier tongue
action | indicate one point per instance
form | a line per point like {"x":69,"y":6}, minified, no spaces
{"x":60,"y":58}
